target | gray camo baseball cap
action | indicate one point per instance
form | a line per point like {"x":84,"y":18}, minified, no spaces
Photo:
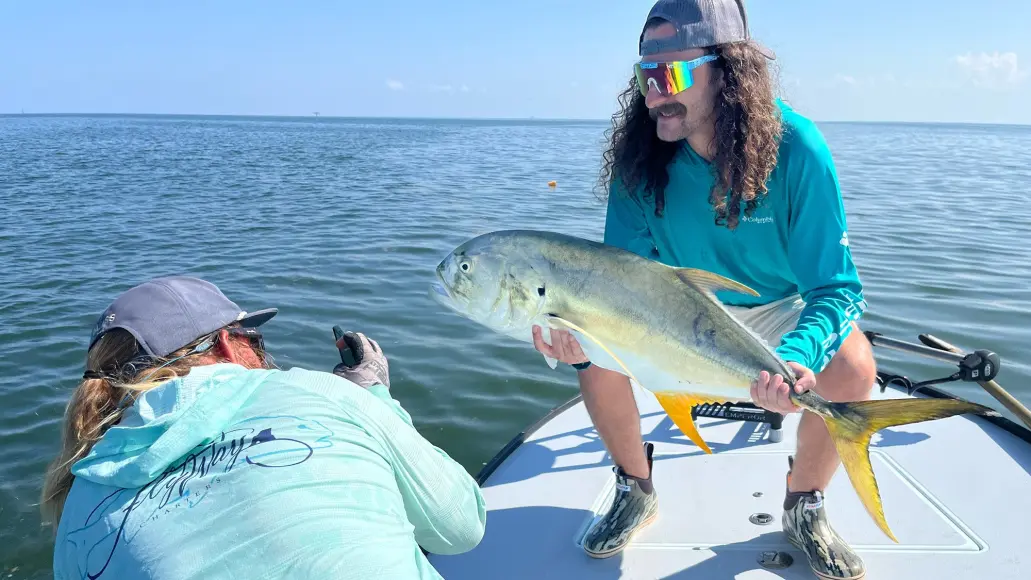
{"x":168,"y":313}
{"x":699,"y":24}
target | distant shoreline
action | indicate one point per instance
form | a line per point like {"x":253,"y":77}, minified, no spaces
{"x":319,"y":117}
{"x":542,"y":120}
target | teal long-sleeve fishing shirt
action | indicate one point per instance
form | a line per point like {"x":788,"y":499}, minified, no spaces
{"x":796,"y":241}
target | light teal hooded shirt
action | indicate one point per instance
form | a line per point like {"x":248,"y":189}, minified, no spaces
{"x":236,"y":473}
{"x":796,"y":242}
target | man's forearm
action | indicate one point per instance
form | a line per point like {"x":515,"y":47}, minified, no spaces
{"x":822,"y":326}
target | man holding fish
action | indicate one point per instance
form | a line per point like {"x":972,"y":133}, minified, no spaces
{"x":725,"y":275}
{"x":701,"y":104}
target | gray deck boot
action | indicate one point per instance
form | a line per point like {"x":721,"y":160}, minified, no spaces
{"x":807,"y":527}
{"x":634,"y":506}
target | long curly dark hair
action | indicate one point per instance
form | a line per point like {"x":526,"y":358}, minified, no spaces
{"x":748,"y":131}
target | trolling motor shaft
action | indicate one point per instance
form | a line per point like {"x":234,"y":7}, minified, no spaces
{"x":978,"y":366}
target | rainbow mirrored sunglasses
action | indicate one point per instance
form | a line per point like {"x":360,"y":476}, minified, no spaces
{"x":669,"y":78}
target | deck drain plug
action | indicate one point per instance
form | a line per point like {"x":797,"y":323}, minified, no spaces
{"x":772,"y":560}
{"x":760,"y":519}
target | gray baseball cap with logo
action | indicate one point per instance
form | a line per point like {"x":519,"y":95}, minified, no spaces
{"x":168,"y":313}
{"x":699,"y":24}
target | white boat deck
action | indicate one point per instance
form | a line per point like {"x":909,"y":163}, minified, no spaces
{"x":956,"y":492}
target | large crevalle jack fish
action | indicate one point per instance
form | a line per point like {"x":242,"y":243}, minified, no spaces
{"x":661,"y":326}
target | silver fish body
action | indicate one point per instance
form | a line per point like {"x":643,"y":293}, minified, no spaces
{"x":661,"y":326}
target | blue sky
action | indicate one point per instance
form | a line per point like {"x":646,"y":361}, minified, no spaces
{"x":879,"y":60}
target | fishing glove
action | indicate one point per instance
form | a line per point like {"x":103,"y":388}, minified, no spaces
{"x":362,"y":361}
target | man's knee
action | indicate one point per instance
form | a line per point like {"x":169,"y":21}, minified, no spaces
{"x":851,"y":373}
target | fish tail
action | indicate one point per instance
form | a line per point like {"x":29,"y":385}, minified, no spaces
{"x":852,"y":424}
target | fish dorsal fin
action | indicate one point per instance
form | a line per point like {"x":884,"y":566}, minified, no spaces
{"x":710,"y":282}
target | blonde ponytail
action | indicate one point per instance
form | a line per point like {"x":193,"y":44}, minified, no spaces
{"x":114,"y":377}
{"x":92,"y":408}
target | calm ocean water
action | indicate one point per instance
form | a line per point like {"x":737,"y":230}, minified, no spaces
{"x":342,"y":222}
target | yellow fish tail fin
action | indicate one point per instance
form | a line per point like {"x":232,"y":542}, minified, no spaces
{"x":678,"y":406}
{"x":854,"y":423}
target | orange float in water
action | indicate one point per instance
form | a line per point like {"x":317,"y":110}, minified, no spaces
{"x":551,"y":184}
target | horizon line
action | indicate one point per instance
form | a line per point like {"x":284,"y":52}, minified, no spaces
{"x":443,"y":118}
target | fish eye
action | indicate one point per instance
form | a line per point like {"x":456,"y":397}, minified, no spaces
{"x":464,"y":266}
{"x":540,"y":290}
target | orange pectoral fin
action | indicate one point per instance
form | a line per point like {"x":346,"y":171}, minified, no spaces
{"x":678,"y":406}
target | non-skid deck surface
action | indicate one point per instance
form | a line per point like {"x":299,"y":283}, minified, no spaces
{"x":956,"y":492}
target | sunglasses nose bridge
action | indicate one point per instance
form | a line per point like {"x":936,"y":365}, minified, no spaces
{"x":653,"y":81}
{"x":657,"y":94}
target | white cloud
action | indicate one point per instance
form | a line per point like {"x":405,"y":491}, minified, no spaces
{"x":991,"y":70}
{"x":449,"y":88}
{"x":433,"y":88}
{"x":848,"y":80}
